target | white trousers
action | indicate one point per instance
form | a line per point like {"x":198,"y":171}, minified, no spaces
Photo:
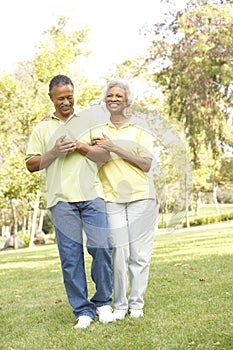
{"x":132,"y":228}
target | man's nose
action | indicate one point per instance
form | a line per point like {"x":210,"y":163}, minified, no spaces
{"x":66,"y":101}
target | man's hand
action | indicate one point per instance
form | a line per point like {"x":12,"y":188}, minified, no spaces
{"x":63,"y":146}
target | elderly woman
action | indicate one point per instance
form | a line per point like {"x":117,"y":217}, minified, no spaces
{"x":130,"y":199}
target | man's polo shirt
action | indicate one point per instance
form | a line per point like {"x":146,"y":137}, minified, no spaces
{"x":73,"y":177}
{"x":123,"y":182}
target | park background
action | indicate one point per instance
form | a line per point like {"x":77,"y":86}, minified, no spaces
{"x":182,"y":73}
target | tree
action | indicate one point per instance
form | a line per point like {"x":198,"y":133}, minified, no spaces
{"x":59,"y":50}
{"x":24,"y":102}
{"x":191,"y":60}
{"x":195,"y":56}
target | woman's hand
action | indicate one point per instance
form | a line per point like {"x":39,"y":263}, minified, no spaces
{"x":104,"y":142}
{"x":142,"y":163}
{"x":99,"y":140}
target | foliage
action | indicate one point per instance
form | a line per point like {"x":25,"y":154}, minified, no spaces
{"x":225,"y":193}
{"x":24,"y":102}
{"x":48,"y":227}
{"x":192,"y":62}
{"x":198,"y":221}
{"x":59,"y":50}
{"x":207,"y":214}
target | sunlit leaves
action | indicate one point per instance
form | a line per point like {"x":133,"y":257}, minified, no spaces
{"x":197,"y":80}
{"x":59,"y":49}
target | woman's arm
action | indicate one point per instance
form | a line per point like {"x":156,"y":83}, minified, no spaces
{"x":143,"y":163}
{"x":94,"y":153}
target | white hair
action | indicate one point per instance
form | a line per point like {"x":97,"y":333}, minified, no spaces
{"x":122,"y":84}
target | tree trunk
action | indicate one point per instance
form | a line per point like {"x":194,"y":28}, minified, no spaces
{"x":34,"y":219}
{"x":29,"y":223}
{"x":24,"y":224}
{"x":158,"y":205}
{"x":186,"y":198}
{"x":198,"y":204}
{"x":15,"y":223}
{"x":215,"y":190}
{"x":41,"y":220}
{"x":187,"y":208}
{"x":157,"y":218}
{"x":6,"y":231}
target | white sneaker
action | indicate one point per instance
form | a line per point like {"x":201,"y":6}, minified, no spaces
{"x":136,"y":313}
{"x":119,"y":314}
{"x":83,"y":322}
{"x":105,"y":314}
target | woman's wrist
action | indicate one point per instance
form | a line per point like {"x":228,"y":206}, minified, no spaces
{"x":78,"y":146}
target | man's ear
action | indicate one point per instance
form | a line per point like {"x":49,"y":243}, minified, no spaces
{"x":50,"y":96}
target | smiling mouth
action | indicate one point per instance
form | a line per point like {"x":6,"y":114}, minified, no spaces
{"x":113,"y":104}
{"x":65,"y":107}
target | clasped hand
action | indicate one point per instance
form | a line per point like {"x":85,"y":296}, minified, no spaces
{"x":103,"y":142}
{"x":64,"y":145}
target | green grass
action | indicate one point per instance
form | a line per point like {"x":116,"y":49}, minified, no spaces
{"x":209,"y":209}
{"x":188,"y":302}
{"x":170,"y":220}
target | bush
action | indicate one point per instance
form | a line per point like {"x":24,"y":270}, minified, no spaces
{"x":210,"y":219}
{"x":48,"y":227}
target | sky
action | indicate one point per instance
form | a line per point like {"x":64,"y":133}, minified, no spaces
{"x":115,"y":28}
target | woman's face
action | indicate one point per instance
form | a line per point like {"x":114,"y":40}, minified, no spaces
{"x":116,"y":100}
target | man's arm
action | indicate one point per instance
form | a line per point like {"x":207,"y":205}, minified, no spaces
{"x":62,"y":147}
{"x":65,"y":146}
{"x":94,"y":153}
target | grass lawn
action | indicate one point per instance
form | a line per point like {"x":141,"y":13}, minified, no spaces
{"x":188,"y":302}
{"x":170,"y":220}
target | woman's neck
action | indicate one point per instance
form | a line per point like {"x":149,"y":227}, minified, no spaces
{"x":119,"y":120}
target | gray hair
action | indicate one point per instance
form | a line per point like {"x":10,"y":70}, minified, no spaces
{"x":122,"y":84}
{"x":59,"y":80}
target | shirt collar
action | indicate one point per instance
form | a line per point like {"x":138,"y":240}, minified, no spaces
{"x":75,"y":114}
{"x":126,"y":125}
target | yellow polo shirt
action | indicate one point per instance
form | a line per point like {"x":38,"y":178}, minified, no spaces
{"x":72,"y":178}
{"x":123,"y":182}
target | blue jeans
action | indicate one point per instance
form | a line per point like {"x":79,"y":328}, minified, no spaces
{"x":70,"y":220}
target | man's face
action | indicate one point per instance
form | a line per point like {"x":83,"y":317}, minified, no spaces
{"x":63,"y":100}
